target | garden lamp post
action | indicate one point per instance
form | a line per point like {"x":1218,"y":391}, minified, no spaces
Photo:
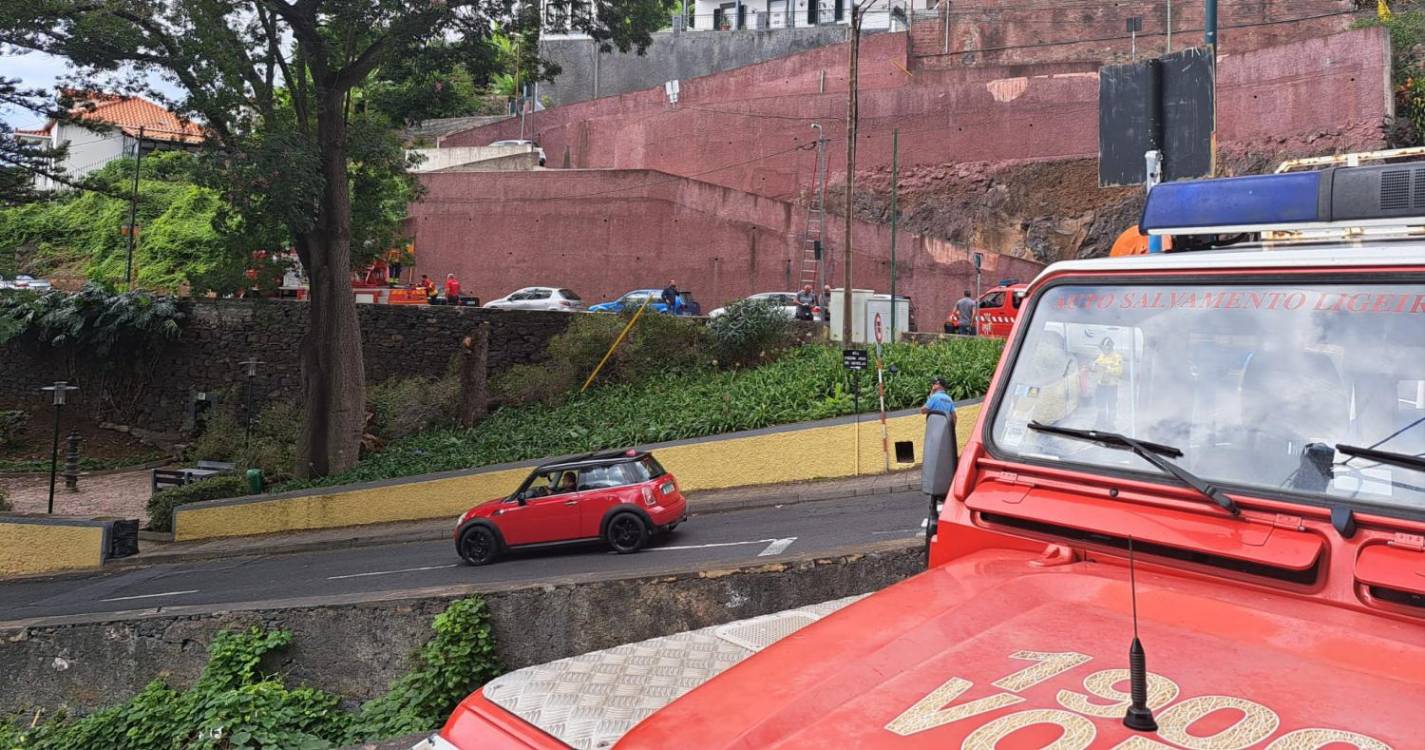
{"x":59,"y":391}
{"x":250,"y":373}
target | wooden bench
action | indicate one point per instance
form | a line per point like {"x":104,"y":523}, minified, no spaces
{"x":167,"y":478}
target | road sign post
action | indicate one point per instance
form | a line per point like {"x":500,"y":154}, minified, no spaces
{"x":855,"y":360}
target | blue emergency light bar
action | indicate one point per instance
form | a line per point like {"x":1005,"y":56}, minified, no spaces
{"x":1376,"y":195}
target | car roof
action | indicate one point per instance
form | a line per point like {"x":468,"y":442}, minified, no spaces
{"x":593,"y":459}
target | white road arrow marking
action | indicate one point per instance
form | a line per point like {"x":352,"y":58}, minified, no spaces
{"x":777,"y":547}
{"x":389,"y":572}
{"x":717,"y":544}
{"x":149,"y":596}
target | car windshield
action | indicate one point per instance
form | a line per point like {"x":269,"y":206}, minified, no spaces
{"x":1256,"y":384}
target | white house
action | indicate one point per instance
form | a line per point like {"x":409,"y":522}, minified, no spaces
{"x":134,"y":122}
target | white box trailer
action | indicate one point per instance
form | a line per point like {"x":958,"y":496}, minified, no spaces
{"x":865,"y":305}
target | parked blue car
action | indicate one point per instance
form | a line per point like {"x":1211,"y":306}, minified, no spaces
{"x":632,"y":300}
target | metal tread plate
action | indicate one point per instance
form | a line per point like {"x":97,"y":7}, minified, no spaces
{"x":589,"y":701}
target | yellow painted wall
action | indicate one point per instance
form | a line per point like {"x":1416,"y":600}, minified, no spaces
{"x":30,"y":548}
{"x":791,"y":456}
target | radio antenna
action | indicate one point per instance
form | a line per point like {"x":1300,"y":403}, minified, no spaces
{"x":1139,"y":717}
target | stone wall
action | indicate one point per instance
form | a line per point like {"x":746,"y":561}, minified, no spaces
{"x":157,"y":394}
{"x":356,"y":648}
{"x":585,"y":73}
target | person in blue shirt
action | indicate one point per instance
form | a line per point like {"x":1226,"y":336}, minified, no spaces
{"x":939,"y":401}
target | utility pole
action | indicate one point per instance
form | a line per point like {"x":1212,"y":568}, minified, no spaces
{"x":1170,"y":27}
{"x":895,"y":169}
{"x":1209,"y":25}
{"x":133,"y":212}
{"x":852,"y":114}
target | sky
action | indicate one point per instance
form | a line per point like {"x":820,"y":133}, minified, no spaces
{"x":41,"y":71}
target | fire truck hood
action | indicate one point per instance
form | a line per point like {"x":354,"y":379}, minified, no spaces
{"x":991,"y":651}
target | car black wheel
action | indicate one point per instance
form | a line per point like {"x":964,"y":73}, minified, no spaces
{"x":626,"y":533}
{"x":479,"y":546}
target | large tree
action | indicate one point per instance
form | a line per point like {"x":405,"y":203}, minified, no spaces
{"x":273,"y":81}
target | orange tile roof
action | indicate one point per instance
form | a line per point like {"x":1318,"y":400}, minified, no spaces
{"x":129,"y":113}
{"x":132,"y":113}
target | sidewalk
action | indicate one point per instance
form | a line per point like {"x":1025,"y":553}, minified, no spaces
{"x":714,"y":501}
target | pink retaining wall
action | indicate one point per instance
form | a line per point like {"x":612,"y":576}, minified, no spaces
{"x":750,"y":128}
{"x":604,"y":232}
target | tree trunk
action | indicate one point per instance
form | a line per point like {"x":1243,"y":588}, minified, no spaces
{"x":474,"y":393}
{"x":333,"y":373}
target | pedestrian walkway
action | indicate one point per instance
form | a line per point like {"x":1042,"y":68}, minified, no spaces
{"x":712,"y":501}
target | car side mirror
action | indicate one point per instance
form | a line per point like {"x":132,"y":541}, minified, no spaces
{"x":519,"y":497}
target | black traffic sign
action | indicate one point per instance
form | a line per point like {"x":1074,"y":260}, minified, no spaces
{"x":854,"y":359}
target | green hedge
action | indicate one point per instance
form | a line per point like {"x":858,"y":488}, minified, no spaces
{"x":236,"y":703}
{"x":808,"y":383}
{"x":162,"y":504}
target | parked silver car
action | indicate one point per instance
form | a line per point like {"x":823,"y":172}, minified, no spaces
{"x":785,"y":301}
{"x":539,"y":298}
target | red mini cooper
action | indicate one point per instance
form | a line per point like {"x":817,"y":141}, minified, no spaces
{"x":621,"y":497}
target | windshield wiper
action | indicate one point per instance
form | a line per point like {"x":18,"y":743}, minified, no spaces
{"x":1404,"y":460}
{"x":1152,"y":453}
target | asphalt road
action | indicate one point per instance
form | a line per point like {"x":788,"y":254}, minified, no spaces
{"x":738,"y":536}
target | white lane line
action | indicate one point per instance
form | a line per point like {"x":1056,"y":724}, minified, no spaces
{"x":149,"y":596}
{"x":390,"y":572}
{"x":718,"y":544}
{"x":777,"y":547}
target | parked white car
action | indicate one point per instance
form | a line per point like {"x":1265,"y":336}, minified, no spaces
{"x":25,"y":282}
{"x":531,"y":145}
{"x":539,"y":298}
{"x":787,"y":301}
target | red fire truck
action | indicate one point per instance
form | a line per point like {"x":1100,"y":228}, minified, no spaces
{"x":995,"y":311}
{"x":1191,"y":515}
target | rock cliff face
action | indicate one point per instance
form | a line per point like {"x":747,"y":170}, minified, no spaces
{"x":1050,"y":210}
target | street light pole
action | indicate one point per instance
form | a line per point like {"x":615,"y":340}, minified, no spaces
{"x":59,"y":391}
{"x":250,"y":371}
{"x":133,"y":212}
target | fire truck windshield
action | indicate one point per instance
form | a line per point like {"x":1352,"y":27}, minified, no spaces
{"x":1257,"y":384}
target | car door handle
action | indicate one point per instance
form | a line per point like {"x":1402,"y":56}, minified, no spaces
{"x":571,"y":502}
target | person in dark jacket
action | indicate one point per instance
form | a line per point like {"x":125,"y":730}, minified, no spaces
{"x":670,"y":297}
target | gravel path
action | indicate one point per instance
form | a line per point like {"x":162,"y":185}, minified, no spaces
{"x":122,"y":494}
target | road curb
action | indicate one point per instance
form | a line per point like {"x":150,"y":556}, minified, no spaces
{"x":711,"y":507}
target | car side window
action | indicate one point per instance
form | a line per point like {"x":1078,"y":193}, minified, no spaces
{"x":519,"y":296}
{"x":1017,"y":299}
{"x":600,"y":477}
{"x":993,"y":300}
{"x":539,"y":294}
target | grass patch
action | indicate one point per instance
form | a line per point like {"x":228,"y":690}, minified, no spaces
{"x":808,"y":383}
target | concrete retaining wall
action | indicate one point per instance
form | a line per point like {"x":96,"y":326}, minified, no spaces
{"x":611,"y":230}
{"x":741,"y":128}
{"x":44,"y":544}
{"x":358,"y":648}
{"x":774,"y":455}
{"x":587,"y":74}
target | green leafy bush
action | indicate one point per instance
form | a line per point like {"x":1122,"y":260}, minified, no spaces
{"x":807,"y":383}
{"x":272,"y":446}
{"x":180,"y":245}
{"x":656,"y":345}
{"x":95,"y":321}
{"x":460,"y":657}
{"x":235,"y":704}
{"x":748,"y":332}
{"x":162,"y":504}
{"x":1407,"y":34}
{"x":13,"y":423}
{"x":402,"y":407}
